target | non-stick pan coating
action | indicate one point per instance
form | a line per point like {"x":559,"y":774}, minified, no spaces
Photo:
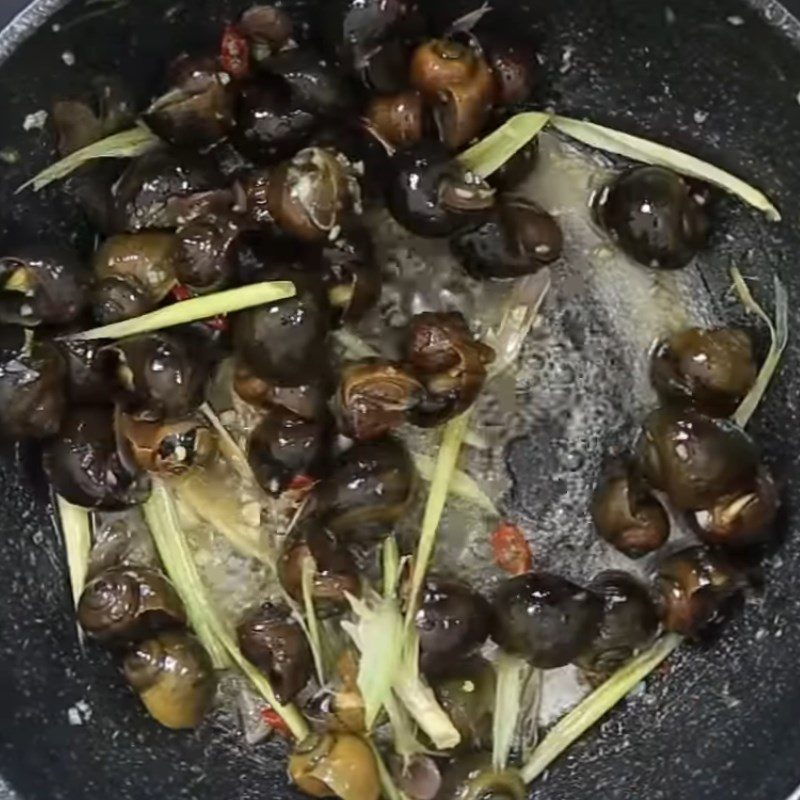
{"x":721,"y":720}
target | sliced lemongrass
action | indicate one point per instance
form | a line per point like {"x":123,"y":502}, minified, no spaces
{"x":449,"y":451}
{"x":126,"y":144}
{"x":211,"y":502}
{"x":193,"y":310}
{"x":476,"y":440}
{"x":388,"y":786}
{"x":341,"y":296}
{"x":512,"y":675}
{"x":176,"y":556}
{"x":597,"y":705}
{"x":228,"y":446}
{"x":420,"y":701}
{"x":528,"y":722}
{"x":378,"y":634}
{"x":779,"y":338}
{"x":390,"y":559}
{"x":638,"y":149}
{"x":489,"y":154}
{"x":308,"y":571}
{"x":354,"y":345}
{"x":162,"y":519}
{"x":76,"y":528}
{"x":521,"y":312}
{"x":461,"y":484}
{"x":404,"y":731}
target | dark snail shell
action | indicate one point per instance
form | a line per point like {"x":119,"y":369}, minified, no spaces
{"x":197,"y":110}
{"x":743,"y":519}
{"x":311,"y":196}
{"x":518,"y":239}
{"x":174,"y":678}
{"x":630,"y":621}
{"x":695,"y":587}
{"x":285,"y":446}
{"x":336,"y":573}
{"x":450,"y":363}
{"x":163,"y":190}
{"x":452,"y":621}
{"x":432,"y":195}
{"x":375,"y":398}
{"x":654,"y":216}
{"x":124,"y":604}
{"x":271,"y":640}
{"x":160,"y":375}
{"x":149,"y":259}
{"x":87,"y":465}
{"x":627,"y":514}
{"x":546,"y":619}
{"x":116,"y":299}
{"x":33,"y":385}
{"x":271,"y":124}
{"x":368,"y":491}
{"x":207,"y":257}
{"x":308,"y":401}
{"x":711,"y":370}
{"x":315,"y":83}
{"x":285,"y":342}
{"x":42,"y":283}
{"x":695,"y":459}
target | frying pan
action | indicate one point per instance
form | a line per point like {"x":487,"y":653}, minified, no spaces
{"x":719,"y":78}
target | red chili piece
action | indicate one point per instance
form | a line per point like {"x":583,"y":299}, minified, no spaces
{"x":234,"y":52}
{"x":512,"y":553}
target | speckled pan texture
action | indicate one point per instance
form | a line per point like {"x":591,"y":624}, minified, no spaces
{"x":719,"y":78}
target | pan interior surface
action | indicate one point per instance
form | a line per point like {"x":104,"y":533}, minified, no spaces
{"x":717,"y":79}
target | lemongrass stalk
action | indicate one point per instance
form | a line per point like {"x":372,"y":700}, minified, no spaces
{"x":512,"y":674}
{"x":193,"y":310}
{"x":390,"y":557}
{"x":449,"y":451}
{"x":648,"y":152}
{"x":489,"y":154}
{"x":222,"y":512}
{"x":779,"y":339}
{"x":378,"y":635}
{"x":308,"y":571}
{"x":355,"y":346}
{"x":76,"y":529}
{"x":388,"y":787}
{"x":597,"y":705}
{"x":461,"y":484}
{"x":420,"y":701}
{"x":161,"y":517}
{"x":228,"y":446}
{"x":126,"y":144}
{"x":176,"y":556}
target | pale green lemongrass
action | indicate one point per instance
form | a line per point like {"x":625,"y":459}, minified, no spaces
{"x":76,"y":530}
{"x":125,"y":144}
{"x":461,"y":484}
{"x":378,"y":635}
{"x":391,"y":567}
{"x":590,"y":710}
{"x":355,"y":347}
{"x":193,"y":310}
{"x":648,"y":152}
{"x":307,"y":572}
{"x":512,"y":676}
{"x":212,"y":630}
{"x":779,"y":338}
{"x":449,"y":451}
{"x":489,"y":154}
